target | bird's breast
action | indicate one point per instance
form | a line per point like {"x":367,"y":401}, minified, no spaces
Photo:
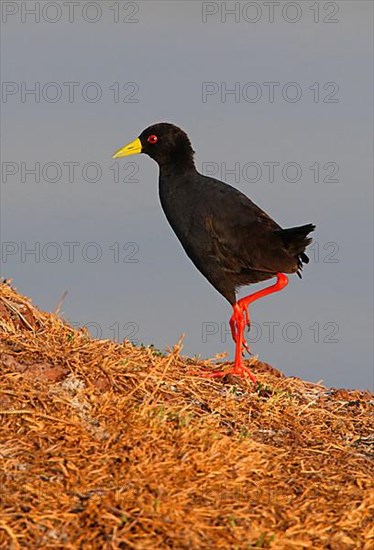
{"x":179,"y":205}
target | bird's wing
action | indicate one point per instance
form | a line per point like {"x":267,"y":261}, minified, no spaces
{"x":244,"y":237}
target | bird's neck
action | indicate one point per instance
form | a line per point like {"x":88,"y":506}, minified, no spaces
{"x":179,"y":160}
{"x":177,"y":167}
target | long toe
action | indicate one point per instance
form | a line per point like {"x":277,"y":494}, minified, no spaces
{"x":246,"y":347}
{"x":214,"y":374}
{"x":246,"y":317}
{"x":242,"y":371}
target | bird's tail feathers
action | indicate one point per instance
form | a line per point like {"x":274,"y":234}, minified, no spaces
{"x":296,"y":240}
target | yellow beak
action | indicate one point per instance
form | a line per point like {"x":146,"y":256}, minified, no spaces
{"x":132,"y":148}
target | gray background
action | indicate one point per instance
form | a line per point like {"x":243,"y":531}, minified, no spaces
{"x":169,"y":53}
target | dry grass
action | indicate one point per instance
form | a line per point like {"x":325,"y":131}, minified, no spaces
{"x":107,"y":446}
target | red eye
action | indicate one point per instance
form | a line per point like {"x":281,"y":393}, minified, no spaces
{"x":152,"y":139}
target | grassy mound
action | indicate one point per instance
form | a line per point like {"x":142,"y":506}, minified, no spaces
{"x":111,"y":446}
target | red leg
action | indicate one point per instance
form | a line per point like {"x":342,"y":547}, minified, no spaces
{"x":233,"y":322}
{"x":282,"y":281}
{"x":238,"y":321}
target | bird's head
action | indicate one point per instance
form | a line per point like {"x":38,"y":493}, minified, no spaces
{"x":167,"y":144}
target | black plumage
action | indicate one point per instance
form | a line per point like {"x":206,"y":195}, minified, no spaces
{"x":229,"y":238}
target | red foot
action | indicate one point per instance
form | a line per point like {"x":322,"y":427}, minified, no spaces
{"x":238,"y":321}
{"x":240,"y":371}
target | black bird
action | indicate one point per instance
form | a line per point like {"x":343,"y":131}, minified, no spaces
{"x":229,"y":239}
